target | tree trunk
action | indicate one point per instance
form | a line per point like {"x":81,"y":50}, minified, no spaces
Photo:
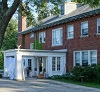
{"x":5,"y":16}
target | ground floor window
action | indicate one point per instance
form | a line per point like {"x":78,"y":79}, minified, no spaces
{"x":84,"y":58}
{"x":56,"y":63}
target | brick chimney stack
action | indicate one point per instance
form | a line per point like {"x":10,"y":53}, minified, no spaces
{"x":21,"y":23}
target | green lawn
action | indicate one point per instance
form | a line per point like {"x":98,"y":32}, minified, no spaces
{"x":88,"y":84}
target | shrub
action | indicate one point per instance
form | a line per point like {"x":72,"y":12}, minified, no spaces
{"x":90,"y":73}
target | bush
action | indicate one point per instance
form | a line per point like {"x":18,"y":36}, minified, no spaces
{"x":89,"y":73}
{"x":1,"y":60}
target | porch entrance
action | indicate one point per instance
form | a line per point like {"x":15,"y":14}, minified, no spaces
{"x":33,"y":66}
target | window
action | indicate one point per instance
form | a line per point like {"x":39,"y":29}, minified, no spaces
{"x":62,"y":9}
{"x":98,"y":25}
{"x":31,"y":45}
{"x":77,"y":58}
{"x":93,"y":57}
{"x":42,"y":37}
{"x":31,"y":35}
{"x":70,"y":31}
{"x":53,"y":63}
{"x":84,"y":28}
{"x":57,"y":37}
{"x":85,"y":58}
{"x":56,"y":63}
{"x":29,"y":64}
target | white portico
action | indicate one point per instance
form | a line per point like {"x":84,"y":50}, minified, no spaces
{"x":52,"y":62}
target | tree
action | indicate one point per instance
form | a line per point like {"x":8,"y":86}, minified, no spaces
{"x":37,"y":45}
{"x":40,"y":6}
{"x":10,"y":39}
{"x":92,"y":3}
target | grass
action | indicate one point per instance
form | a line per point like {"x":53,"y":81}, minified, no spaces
{"x":87,"y":84}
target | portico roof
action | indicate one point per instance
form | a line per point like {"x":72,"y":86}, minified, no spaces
{"x":30,"y":52}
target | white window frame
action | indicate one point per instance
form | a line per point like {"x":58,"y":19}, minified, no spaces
{"x":82,"y":28}
{"x":31,"y":45}
{"x":42,"y":37}
{"x":70,"y":31}
{"x":31,"y":35}
{"x":57,"y":68}
{"x":55,"y":38}
{"x":89,"y":57}
{"x":98,"y":24}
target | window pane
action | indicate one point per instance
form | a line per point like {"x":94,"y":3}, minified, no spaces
{"x":53,"y":63}
{"x":93,"y":57}
{"x":29,"y":64}
{"x":98,"y":21}
{"x":58,"y":63}
{"x":84,"y":28}
{"x":42,"y":37}
{"x":70,"y":31}
{"x":84,"y":58}
{"x":62,"y":9}
{"x":57,"y":36}
{"x":77,"y":58}
{"x":98,"y":29}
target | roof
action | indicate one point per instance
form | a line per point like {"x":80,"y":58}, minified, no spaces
{"x":81,"y":12}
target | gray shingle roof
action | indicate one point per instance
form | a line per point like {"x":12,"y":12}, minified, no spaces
{"x":82,"y":12}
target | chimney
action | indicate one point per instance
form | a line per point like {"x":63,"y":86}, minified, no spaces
{"x":68,"y":7}
{"x":21,"y":22}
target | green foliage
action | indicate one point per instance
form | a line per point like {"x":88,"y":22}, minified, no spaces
{"x":10,"y":39}
{"x":89,"y":73}
{"x":1,"y":60}
{"x":92,"y":3}
{"x":37,"y":45}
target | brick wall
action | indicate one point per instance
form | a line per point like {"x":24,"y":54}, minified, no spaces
{"x":92,"y":42}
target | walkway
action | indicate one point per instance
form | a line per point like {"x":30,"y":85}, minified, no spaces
{"x":41,"y":85}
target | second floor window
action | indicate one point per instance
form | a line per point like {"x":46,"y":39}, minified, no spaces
{"x":31,"y":45}
{"x":42,"y":37}
{"x":70,"y":31}
{"x":98,"y":25}
{"x":57,"y":37}
{"x":31,"y":35}
{"x":84,"y":28}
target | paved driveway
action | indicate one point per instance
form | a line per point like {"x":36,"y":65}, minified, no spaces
{"x":41,"y":85}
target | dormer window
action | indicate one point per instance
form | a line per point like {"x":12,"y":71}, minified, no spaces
{"x":62,"y":9}
{"x":98,"y":25}
{"x":84,"y":28}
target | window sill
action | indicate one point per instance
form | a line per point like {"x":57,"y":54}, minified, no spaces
{"x":70,"y":38}
{"x":98,"y":34}
{"x":56,"y":45}
{"x":84,"y":36}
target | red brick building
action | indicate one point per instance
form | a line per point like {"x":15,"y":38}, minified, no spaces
{"x":69,"y":39}
{"x":78,"y":32}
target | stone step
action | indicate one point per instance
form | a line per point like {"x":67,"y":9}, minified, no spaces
{"x":40,"y":76}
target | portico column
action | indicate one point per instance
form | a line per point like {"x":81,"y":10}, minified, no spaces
{"x":18,"y":67}
{"x":49,"y":65}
